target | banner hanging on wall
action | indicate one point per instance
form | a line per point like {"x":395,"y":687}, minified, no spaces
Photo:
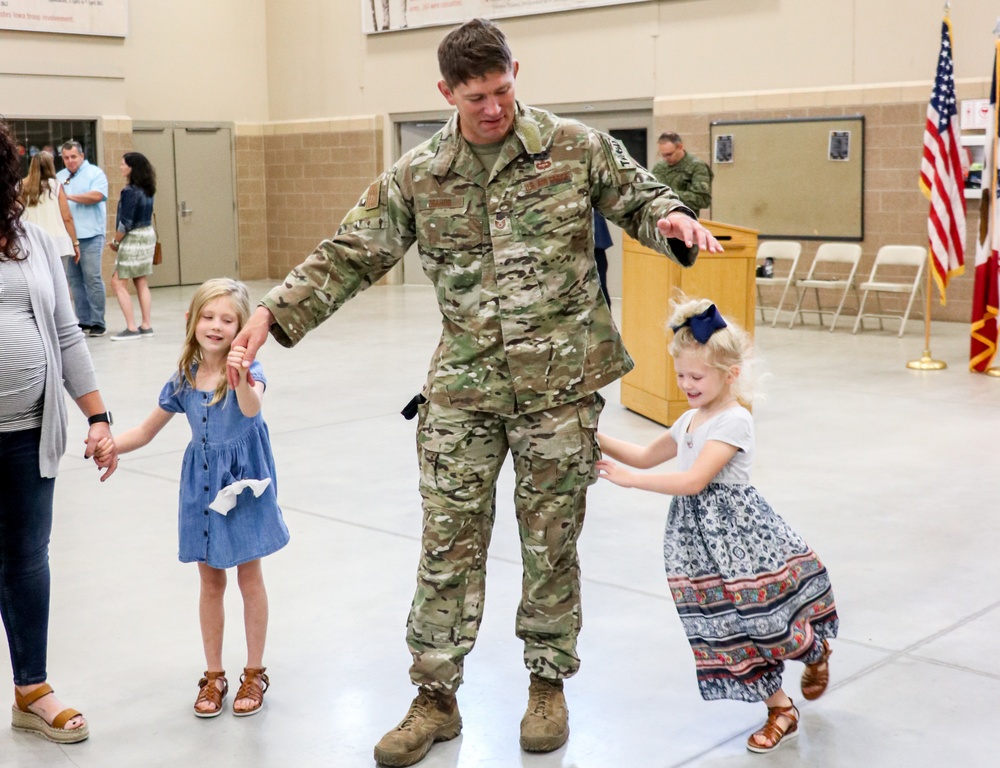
{"x":394,"y":15}
{"x":107,"y":18}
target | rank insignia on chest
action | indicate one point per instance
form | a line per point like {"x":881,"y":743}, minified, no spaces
{"x":501,"y":222}
{"x":543,"y":165}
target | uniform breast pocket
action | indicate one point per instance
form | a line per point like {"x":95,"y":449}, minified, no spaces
{"x":560,"y":207}
{"x":450,"y":241}
{"x":554,"y":224}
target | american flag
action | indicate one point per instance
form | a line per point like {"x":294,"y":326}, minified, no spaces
{"x":942,"y":172}
{"x":985,"y":298}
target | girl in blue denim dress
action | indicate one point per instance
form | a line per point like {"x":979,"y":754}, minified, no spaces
{"x":229,"y":514}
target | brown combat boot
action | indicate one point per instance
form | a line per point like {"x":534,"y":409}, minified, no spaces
{"x":545,"y":725}
{"x":433,"y":716}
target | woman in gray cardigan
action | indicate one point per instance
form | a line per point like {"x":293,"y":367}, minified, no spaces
{"x":42,"y":350}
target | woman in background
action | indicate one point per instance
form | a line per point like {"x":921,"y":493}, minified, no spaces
{"x":134,"y":242}
{"x":45,"y":204}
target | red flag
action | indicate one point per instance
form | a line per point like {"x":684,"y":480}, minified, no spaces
{"x":985,"y":299}
{"x":942,"y":172}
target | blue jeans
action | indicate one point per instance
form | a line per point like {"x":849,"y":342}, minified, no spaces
{"x":85,"y":282}
{"x":25,"y":526}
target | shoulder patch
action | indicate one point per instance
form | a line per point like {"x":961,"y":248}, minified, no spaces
{"x":371,"y":200}
{"x":618,"y":156}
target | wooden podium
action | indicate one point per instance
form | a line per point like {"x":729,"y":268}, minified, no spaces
{"x":649,"y":280}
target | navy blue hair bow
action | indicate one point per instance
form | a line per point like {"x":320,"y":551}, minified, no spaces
{"x":703,"y":325}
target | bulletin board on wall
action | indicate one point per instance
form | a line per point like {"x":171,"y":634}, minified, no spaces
{"x":799,"y":179}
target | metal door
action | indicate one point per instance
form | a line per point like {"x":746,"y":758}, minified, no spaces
{"x":195,"y":201}
{"x":206,"y":204}
{"x":157,"y":144}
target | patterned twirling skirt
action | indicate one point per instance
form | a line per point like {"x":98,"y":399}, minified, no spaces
{"x":750,"y":592}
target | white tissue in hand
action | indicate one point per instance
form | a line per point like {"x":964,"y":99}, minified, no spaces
{"x":226,"y":499}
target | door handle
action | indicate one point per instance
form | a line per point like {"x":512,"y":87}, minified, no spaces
{"x":185,"y":211}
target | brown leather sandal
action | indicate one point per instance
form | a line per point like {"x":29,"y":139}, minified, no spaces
{"x":816,"y":676}
{"x":250,"y":689}
{"x":23,"y":719}
{"x":772,"y":731}
{"x":210,"y":692}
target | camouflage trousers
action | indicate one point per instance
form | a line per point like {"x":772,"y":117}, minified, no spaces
{"x":460,"y":454}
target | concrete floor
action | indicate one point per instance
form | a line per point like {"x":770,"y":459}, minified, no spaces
{"x":890,"y":474}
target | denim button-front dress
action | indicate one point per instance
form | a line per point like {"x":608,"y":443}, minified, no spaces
{"x":225,"y":447}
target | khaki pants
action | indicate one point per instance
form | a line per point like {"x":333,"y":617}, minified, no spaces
{"x":460,"y":454}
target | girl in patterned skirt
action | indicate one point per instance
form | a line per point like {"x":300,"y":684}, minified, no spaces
{"x":750,"y":592}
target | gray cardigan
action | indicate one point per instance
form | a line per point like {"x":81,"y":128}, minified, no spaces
{"x":67,"y":359}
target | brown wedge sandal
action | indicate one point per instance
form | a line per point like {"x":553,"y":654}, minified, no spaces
{"x":210,"y":692}
{"x":816,"y":676}
{"x":773,"y":732}
{"x":250,"y":689}
{"x":22,"y":719}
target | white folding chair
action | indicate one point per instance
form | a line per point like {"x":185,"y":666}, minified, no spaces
{"x":905,"y":265}
{"x":833,"y":269}
{"x":785,"y":257}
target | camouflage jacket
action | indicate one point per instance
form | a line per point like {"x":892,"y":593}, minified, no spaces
{"x":510,"y":254}
{"x":691,"y":179}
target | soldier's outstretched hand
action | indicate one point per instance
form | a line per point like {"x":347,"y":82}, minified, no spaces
{"x":679,"y":226}
{"x":251,"y":337}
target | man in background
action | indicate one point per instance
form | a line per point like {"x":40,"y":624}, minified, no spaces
{"x":86,"y":188}
{"x":688,"y":176}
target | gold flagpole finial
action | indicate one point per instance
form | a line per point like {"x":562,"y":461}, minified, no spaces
{"x":947,"y":9}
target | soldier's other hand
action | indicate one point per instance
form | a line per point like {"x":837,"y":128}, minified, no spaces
{"x":251,"y":338}
{"x":679,"y":226}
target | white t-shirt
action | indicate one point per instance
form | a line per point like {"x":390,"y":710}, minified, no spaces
{"x":733,"y":426}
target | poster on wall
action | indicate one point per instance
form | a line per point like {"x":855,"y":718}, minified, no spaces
{"x":394,"y":15}
{"x":107,"y":18}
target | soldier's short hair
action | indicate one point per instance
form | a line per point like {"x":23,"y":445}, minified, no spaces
{"x":473,"y":50}
{"x":673,"y":138}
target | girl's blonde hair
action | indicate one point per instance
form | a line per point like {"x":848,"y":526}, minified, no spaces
{"x":726,"y":348}
{"x":207,"y":292}
{"x":36,"y":183}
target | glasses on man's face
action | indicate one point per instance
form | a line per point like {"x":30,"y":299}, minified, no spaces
{"x":668,"y":155}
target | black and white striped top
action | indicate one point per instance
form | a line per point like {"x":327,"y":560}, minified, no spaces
{"x":22,"y":354}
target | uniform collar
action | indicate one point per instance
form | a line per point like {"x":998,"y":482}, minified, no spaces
{"x":532,"y":135}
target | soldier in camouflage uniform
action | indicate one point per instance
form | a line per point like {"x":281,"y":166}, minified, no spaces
{"x":688,"y":176}
{"x":499,"y":202}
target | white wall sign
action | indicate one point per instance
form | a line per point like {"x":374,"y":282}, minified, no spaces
{"x":975,"y":113}
{"x":394,"y":15}
{"x":108,"y":18}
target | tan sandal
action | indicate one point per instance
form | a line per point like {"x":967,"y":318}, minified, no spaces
{"x":250,"y":689}
{"x":816,"y":676}
{"x":210,"y":692}
{"x":774,"y":732}
{"x":22,"y":719}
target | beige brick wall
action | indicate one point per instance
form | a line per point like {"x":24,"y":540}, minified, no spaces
{"x":313,"y":173}
{"x":251,"y":200}
{"x":895,"y":209}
